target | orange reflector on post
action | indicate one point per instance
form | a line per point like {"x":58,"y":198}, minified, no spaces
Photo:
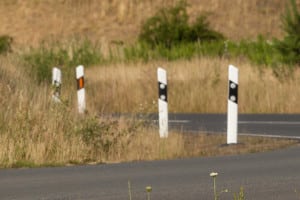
{"x":80,"y":89}
{"x":80,"y":83}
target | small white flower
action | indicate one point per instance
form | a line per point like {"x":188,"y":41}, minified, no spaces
{"x":213,"y":174}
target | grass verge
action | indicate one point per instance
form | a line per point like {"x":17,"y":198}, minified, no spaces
{"x":34,"y":131}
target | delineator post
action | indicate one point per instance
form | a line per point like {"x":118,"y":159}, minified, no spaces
{"x":56,"y":83}
{"x":80,"y":89}
{"x":232,"y":113}
{"x":162,"y":102}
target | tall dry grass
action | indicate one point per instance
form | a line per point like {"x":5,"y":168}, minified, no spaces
{"x":34,"y":131}
{"x":197,"y":85}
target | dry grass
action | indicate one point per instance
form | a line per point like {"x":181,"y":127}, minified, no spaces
{"x":184,"y":145}
{"x":212,"y":145}
{"x":34,"y":131}
{"x":197,"y":85}
{"x":31,"y":21}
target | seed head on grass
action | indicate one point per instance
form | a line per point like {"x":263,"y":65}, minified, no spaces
{"x":148,"y":190}
{"x":213,"y":174}
{"x":216,"y":195}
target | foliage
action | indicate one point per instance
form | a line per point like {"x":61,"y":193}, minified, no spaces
{"x":200,"y":31}
{"x":85,"y":53}
{"x":104,"y":136}
{"x":240,"y":195}
{"x":261,"y":51}
{"x":170,"y":27}
{"x":5,"y":43}
{"x":290,"y":45}
{"x":41,"y":60}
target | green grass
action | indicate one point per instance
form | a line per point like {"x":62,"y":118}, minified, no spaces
{"x":39,"y":61}
{"x":260,"y":51}
{"x":68,"y":55}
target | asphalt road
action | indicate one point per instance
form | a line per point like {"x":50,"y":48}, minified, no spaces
{"x":272,"y":125}
{"x":268,"y":176}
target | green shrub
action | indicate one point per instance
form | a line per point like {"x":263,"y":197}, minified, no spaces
{"x":290,"y":45}
{"x":138,"y":51}
{"x":200,"y":31}
{"x":41,"y":60}
{"x":5,"y":43}
{"x":261,"y":51}
{"x":170,"y":27}
{"x":105,"y":136}
{"x":97,"y":135}
{"x":85,"y":53}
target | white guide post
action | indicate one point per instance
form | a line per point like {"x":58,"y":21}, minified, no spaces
{"x":80,"y":88}
{"x":56,"y":82}
{"x":232,"y":114}
{"x":162,"y":102}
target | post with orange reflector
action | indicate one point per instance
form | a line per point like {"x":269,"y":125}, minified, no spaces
{"x":80,"y":89}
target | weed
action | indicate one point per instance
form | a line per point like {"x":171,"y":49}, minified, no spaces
{"x":41,"y":60}
{"x":85,"y":53}
{"x":5,"y":44}
{"x":99,"y":135}
{"x":216,"y":194}
{"x":240,"y":195}
{"x":129,"y":190}
{"x":23,"y":163}
{"x":260,"y":52}
{"x":214,"y":176}
{"x":148,"y":190}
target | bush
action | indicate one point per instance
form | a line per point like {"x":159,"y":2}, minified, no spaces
{"x":85,"y":53}
{"x":200,"y":31}
{"x":5,"y":44}
{"x":103,"y":137}
{"x":170,"y":27}
{"x":290,"y":45}
{"x":40,"y":61}
{"x":261,"y":51}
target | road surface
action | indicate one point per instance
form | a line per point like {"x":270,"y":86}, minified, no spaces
{"x":272,"y":125}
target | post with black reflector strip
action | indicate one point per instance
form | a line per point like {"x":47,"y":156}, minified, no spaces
{"x":80,"y":89}
{"x":162,"y":102}
{"x":56,"y":82}
{"x":232,"y":113}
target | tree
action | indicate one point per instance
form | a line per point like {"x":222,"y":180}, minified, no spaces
{"x":289,"y":47}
